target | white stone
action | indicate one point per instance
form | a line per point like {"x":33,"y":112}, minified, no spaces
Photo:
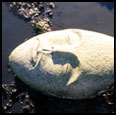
{"x":70,"y":63}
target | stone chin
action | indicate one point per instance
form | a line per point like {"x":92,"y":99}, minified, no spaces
{"x":69,"y":63}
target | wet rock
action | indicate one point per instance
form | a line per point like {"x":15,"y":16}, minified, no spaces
{"x":32,"y":11}
{"x":48,"y":11}
{"x":21,"y":102}
{"x":14,"y":90}
{"x":5,"y":107}
{"x":14,"y":3}
{"x":9,"y":105}
{"x":35,"y":9}
{"x":52,"y":5}
{"x":10,"y":6}
{"x":10,"y":101}
{"x":5,"y":88}
{"x":67,"y":63}
{"x":49,"y":29}
{"x":28,"y":5}
{"x":12,"y":84}
{"x":50,"y":14}
{"x":41,"y":6}
{"x":26,"y":107}
{"x":41,"y":26}
{"x":26,"y":96}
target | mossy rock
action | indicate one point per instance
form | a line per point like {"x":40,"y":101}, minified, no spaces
{"x":40,"y":26}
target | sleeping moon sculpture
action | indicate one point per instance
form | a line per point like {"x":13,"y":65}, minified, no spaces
{"x":69,"y":63}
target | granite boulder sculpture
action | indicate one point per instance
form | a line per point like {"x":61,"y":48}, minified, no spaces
{"x":70,"y":63}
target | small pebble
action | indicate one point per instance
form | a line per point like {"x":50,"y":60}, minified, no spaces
{"x":8,"y":112}
{"x":21,"y":102}
{"x":36,"y":9}
{"x":4,"y":85}
{"x":7,"y":104}
{"x":41,"y":6}
{"x":26,"y":107}
{"x":14,"y":90}
{"x":50,"y":13}
{"x":26,"y":96}
{"x":36,"y":14}
{"x":31,"y":12}
{"x":52,"y":5}
{"x":108,"y":94}
{"x":10,"y":101}
{"x":49,"y":29}
{"x":9,"y":70}
{"x":46,"y":19}
{"x":104,"y":95}
{"x":14,"y":3}
{"x":12,"y":84}
{"x":110,"y":103}
{"x":5,"y":107}
{"x":10,"y":6}
{"x":32,"y":105}
{"x":25,"y":39}
{"x":28,"y":5}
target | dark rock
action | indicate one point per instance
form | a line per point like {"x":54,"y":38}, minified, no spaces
{"x":41,"y":6}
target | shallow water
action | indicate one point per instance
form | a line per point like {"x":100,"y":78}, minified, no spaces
{"x":95,"y":16}
{"x":85,"y":15}
{"x":14,"y":32}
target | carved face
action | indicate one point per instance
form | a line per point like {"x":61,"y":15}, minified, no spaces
{"x":51,"y":52}
{"x":68,"y":60}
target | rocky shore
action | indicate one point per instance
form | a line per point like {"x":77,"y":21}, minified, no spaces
{"x":32,"y":101}
{"x":37,"y":14}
